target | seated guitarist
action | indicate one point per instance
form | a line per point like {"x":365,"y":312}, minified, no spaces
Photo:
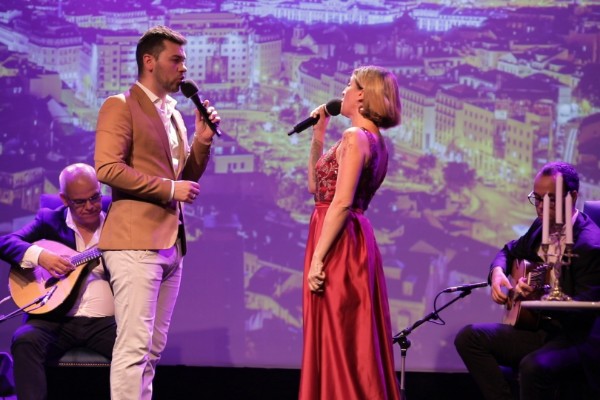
{"x":44,"y":338}
{"x":564,"y":348}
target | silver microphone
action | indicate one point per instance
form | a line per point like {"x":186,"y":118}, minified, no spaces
{"x":464,"y":288}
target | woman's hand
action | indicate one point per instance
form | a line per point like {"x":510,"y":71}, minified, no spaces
{"x":321,"y":125}
{"x":316,"y":276}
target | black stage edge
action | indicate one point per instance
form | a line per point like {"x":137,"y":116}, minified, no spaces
{"x":223,"y":383}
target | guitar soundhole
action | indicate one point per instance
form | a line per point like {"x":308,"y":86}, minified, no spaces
{"x":51,"y":282}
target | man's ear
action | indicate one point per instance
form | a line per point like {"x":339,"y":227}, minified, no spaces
{"x":64,"y":199}
{"x":148,"y":62}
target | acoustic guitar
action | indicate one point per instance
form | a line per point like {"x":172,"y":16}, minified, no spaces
{"x":30,"y":286}
{"x":537,"y":276}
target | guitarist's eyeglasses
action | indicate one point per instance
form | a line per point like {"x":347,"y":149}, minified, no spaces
{"x":82,"y":202}
{"x":536,"y":199}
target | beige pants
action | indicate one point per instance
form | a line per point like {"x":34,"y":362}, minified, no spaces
{"x":145,"y":285}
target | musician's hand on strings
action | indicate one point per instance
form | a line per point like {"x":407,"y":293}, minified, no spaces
{"x":56,"y":265}
{"x":522,"y":289}
{"x":499,"y":281}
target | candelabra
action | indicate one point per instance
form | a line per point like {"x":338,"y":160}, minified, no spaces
{"x":561,"y":259}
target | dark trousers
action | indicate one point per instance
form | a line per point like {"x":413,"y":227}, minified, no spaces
{"x":40,"y":342}
{"x":543,"y":360}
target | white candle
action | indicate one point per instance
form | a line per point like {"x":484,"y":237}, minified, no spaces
{"x":546,"y":220}
{"x":569,"y":219}
{"x":558,"y":209}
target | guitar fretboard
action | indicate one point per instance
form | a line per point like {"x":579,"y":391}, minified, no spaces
{"x":86,"y":256}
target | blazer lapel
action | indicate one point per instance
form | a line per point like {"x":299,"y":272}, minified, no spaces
{"x":66,"y":234}
{"x":150,"y":111}
{"x":534,"y":243}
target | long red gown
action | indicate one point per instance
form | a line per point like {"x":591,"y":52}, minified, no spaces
{"x":347,"y":351}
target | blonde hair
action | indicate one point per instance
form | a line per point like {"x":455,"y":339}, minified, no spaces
{"x":381,"y":100}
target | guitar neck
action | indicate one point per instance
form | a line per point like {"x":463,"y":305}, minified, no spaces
{"x":86,"y":256}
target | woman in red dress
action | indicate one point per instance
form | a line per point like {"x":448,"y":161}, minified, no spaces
{"x":347,"y":350}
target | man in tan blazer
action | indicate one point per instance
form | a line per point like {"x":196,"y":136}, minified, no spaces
{"x":142,"y":152}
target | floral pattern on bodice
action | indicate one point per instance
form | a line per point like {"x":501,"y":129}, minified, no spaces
{"x":326,"y":172}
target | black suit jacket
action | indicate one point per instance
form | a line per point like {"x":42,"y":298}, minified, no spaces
{"x":580,"y":280}
{"x":48,"y":224}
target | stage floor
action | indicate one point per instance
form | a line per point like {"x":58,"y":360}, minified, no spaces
{"x":191,"y":383}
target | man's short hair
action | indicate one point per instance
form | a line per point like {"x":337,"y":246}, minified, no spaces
{"x":568,"y":171}
{"x":72,"y":171}
{"x":152,"y":42}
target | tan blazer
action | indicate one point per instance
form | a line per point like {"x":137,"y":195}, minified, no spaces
{"x":133,"y":157}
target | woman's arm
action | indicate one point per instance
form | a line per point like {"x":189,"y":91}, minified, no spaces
{"x":316,"y":145}
{"x":351,"y":155}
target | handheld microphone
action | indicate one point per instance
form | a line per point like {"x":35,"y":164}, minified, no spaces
{"x":464,"y":288}
{"x":48,"y":294}
{"x":190,"y":90}
{"x":332,"y":108}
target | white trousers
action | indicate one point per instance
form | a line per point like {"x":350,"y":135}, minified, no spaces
{"x":145,"y":285}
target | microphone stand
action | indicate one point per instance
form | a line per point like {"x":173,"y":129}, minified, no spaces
{"x":402,"y":337}
{"x":42,"y":299}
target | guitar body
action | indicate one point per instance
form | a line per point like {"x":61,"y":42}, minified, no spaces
{"x":26,"y":285}
{"x":537,"y":276}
